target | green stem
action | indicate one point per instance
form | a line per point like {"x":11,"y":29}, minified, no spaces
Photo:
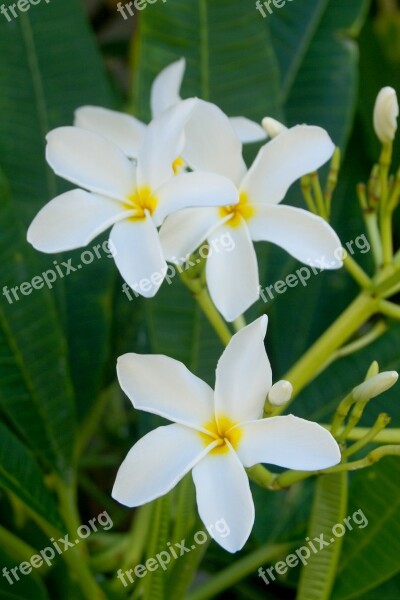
{"x":239,"y":323}
{"x":371,"y":223}
{"x":358,"y":274}
{"x":76,"y":557}
{"x":359,"y":311}
{"x":291,"y":477}
{"x":341,"y":413}
{"x":387,"y":237}
{"x":382,"y":421}
{"x":222,"y":330}
{"x":239,"y":570}
{"x":261,"y":476}
{"x":307,"y":194}
{"x":319,"y":197}
{"x":390,"y":309}
{"x":384,"y":286}
{"x":376,"y":332}
{"x":388,"y":436}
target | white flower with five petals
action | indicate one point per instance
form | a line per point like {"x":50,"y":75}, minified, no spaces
{"x":214,"y":434}
{"x":133,"y":198}
{"x":232,"y":277}
{"x":127,"y":132}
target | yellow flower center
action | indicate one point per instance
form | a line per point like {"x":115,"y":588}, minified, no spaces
{"x":141,"y":200}
{"x":237,"y":212}
{"x":222,"y":430}
{"x":178,"y":165}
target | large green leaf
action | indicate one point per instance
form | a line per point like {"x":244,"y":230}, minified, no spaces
{"x":35,"y":387}
{"x":329,"y":509}
{"x":319,"y":60}
{"x":20,"y":474}
{"x":230,"y":60}
{"x":371,"y":555}
{"x":49,"y":65}
{"x":26,"y":587}
{"x":293,"y":28}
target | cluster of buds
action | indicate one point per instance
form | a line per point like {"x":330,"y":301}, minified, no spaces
{"x":351,"y":409}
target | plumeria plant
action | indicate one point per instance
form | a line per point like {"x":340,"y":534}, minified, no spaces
{"x":160,"y":407}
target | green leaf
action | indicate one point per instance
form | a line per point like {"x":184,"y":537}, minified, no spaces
{"x":230,"y":59}
{"x":329,"y":509}
{"x":49,"y":66}
{"x":28,"y":586}
{"x":371,"y":555}
{"x":35,"y":388}
{"x":20,"y":474}
{"x":320,"y":66}
{"x":293,"y":29}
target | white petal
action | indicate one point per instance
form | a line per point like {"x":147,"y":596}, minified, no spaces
{"x":165,"y":387}
{"x":247,"y":131}
{"x":166,"y":87}
{"x":212,"y":144}
{"x":184,"y":231}
{"x":90,"y":161}
{"x":157,"y":463}
{"x":123,"y":130}
{"x":292,"y":154}
{"x":288,"y":442}
{"x":72,"y":220}
{"x":162,"y":144}
{"x":243,"y":376}
{"x":232,"y":273}
{"x":194,"y":190}
{"x":139,"y":256}
{"x":305,"y":236}
{"x":224,"y":499}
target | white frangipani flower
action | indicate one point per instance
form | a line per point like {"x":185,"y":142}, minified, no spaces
{"x":386,"y":111}
{"x":232,"y":277}
{"x":133,"y":198}
{"x":127,"y":131}
{"x":214,"y":434}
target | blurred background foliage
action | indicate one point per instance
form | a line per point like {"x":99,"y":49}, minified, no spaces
{"x":316,"y":61}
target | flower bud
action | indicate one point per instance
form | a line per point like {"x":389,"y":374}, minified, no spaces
{"x":386,"y":112}
{"x":273,"y":127}
{"x":375,"y":385}
{"x":280,"y":393}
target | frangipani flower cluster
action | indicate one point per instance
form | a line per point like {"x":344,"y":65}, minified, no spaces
{"x":97,"y":153}
{"x":134,"y":178}
{"x":134,"y":198}
{"x":215,"y":434}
